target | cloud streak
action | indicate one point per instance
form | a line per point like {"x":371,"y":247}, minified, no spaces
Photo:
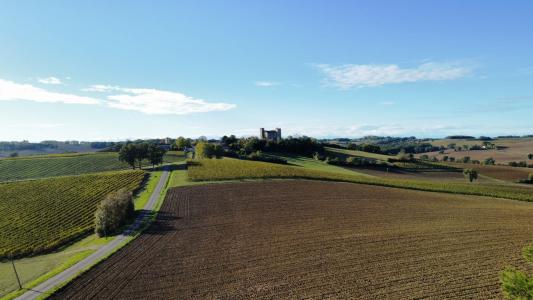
{"x":350,"y":76}
{"x":156,"y":102}
{"x":148,"y":101}
{"x":11,"y":91}
{"x":50,"y":80}
{"x":266,"y":83}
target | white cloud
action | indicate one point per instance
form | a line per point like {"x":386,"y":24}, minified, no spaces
{"x":152,"y":101}
{"x":11,"y":91}
{"x":50,"y":80}
{"x":377,"y":129}
{"x":266,"y":83}
{"x":388,"y":103}
{"x":101,"y":88}
{"x":357,"y":76}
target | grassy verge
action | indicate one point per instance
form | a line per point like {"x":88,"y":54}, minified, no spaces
{"x":37,"y":269}
{"x":231,"y":169}
{"x":144,"y":195}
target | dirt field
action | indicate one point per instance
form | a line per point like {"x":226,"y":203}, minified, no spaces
{"x":437,"y":175}
{"x":310,"y":239}
{"x":499,"y":172}
{"x":517,"y":150}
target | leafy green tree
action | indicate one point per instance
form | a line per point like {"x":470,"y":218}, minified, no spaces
{"x":489,"y":161}
{"x":113,"y":212}
{"x":252,"y":144}
{"x":445,"y":158}
{"x":470,"y":174}
{"x":202,"y":150}
{"x":141,"y":153}
{"x":181,"y":143}
{"x":517,"y":284}
{"x":229,"y":141}
{"x":14,"y":154}
{"x":218,"y":151}
{"x":466,"y":159}
{"x":352,"y":146}
{"x":155,"y":155}
{"x":128,"y":154}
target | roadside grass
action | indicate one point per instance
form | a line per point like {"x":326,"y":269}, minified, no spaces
{"x":232,"y":169}
{"x":144,"y":195}
{"x":37,"y":269}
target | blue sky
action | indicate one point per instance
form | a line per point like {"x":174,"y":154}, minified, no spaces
{"x":111,"y":70}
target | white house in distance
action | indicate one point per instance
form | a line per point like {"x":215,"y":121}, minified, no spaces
{"x":270,"y":135}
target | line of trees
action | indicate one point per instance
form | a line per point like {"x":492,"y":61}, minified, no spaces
{"x":136,"y":153}
{"x":294,"y":145}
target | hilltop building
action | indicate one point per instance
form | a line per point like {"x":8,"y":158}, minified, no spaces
{"x":270,"y":135}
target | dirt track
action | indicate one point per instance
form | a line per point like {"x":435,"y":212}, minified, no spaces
{"x":297,"y":239}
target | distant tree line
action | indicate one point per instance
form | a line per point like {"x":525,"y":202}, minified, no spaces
{"x":460,"y":137}
{"x":25,"y":145}
{"x":292,"y":145}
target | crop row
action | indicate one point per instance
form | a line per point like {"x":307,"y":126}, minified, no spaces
{"x":65,"y":165}
{"x":39,"y":215}
{"x":232,"y":169}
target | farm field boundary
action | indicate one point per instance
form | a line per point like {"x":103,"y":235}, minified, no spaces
{"x":232,"y":169}
{"x":315,"y":239}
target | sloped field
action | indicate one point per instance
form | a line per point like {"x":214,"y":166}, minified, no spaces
{"x":44,"y":166}
{"x":39,"y":215}
{"x":311,"y":239}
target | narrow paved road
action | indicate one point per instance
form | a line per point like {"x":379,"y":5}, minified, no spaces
{"x":50,"y":284}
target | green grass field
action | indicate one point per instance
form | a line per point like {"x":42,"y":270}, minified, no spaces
{"x":45,"y":166}
{"x":232,"y":169}
{"x":344,"y":153}
{"x":40,"y":215}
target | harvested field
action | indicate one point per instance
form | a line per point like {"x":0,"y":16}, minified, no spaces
{"x":300,"y":239}
{"x":499,"y":172}
{"x":514,"y":150}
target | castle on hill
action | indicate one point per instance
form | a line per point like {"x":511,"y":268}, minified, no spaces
{"x":270,"y":135}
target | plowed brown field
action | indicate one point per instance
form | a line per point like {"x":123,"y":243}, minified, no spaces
{"x":300,"y":239}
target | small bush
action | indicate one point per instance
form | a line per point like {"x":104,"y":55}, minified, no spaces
{"x":517,"y":284}
{"x":113,"y":212}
